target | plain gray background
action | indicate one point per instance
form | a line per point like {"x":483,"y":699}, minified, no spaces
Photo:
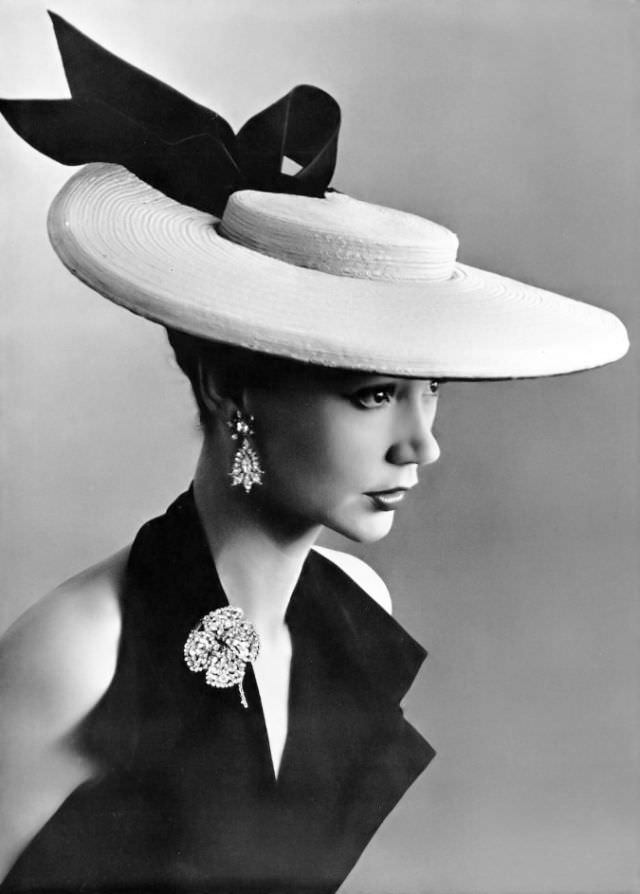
{"x":514,"y":123}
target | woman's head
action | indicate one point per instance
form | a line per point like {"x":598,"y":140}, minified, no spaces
{"x":339,"y":448}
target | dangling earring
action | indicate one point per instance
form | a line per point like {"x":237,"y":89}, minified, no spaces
{"x":246,"y":470}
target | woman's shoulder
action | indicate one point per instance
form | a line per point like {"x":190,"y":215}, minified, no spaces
{"x":361,"y":573}
{"x":56,"y":663}
{"x":59,"y":657}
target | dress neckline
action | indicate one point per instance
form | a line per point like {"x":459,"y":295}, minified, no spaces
{"x":350,"y":659}
{"x":213,"y":596}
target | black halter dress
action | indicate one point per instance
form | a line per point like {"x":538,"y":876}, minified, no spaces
{"x":186,"y":800}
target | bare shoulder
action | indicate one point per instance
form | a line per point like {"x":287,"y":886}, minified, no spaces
{"x":59,"y":656}
{"x":361,"y":573}
{"x":56,"y":662}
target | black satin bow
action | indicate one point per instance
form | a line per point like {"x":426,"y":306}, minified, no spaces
{"x":118,"y":113}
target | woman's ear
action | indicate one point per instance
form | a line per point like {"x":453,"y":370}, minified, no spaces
{"x":212,"y":391}
{"x":217,"y":395}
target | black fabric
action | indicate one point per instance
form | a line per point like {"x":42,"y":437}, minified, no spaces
{"x":119,"y":114}
{"x":187,"y":800}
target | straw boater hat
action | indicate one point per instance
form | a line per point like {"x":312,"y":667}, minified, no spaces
{"x":182,"y":221}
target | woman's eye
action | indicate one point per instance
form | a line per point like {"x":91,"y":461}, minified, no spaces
{"x":433,"y":388}
{"x":373,"y":398}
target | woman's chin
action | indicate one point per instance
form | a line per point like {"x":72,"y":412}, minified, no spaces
{"x":366,"y":530}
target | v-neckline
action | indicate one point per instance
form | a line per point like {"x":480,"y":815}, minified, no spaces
{"x":219,"y":599}
{"x":252,"y":691}
{"x":351,"y":663}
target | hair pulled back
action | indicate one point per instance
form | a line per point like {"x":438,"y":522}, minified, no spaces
{"x":236,"y":368}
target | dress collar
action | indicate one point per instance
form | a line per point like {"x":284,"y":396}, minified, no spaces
{"x":350,"y":753}
{"x":379,"y":647}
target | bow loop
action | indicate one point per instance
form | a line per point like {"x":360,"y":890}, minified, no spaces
{"x":303,"y":126}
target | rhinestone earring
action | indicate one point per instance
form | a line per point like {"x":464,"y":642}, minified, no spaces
{"x":246,"y":469}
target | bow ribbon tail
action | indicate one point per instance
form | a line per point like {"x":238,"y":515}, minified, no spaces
{"x":77,"y":131}
{"x":91,"y":70}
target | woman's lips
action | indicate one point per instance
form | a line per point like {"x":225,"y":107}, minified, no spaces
{"x":386,"y":500}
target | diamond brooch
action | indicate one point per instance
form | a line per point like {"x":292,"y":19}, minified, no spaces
{"x":222,"y":644}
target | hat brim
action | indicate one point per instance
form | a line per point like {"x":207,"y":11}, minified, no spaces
{"x":167,"y":262}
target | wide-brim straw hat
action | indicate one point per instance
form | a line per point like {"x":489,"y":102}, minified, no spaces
{"x":171,"y":232}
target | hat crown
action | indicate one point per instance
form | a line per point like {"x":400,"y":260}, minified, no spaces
{"x":341,"y":235}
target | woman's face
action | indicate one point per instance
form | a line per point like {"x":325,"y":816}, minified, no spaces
{"x":341,"y":449}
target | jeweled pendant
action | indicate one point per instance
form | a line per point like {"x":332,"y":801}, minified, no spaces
{"x":222,"y":644}
{"x":246,"y":470}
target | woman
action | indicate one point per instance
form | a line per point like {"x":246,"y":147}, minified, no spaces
{"x":174,"y":742}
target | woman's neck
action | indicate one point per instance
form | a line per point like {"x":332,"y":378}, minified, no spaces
{"x":257,"y":556}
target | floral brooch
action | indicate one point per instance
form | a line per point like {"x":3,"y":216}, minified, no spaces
{"x":222,"y":644}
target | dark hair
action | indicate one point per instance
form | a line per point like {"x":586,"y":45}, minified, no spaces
{"x":237,"y":368}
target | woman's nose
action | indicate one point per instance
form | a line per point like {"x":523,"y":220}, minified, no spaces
{"x":416,"y":442}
